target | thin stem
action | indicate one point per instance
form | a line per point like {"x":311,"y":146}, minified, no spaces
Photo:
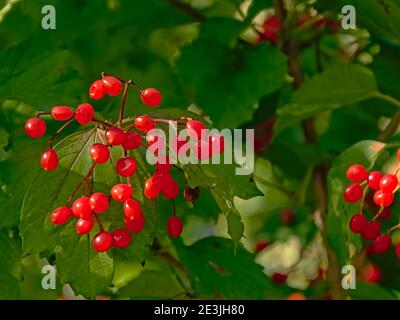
{"x":39,"y":114}
{"x":186,"y":8}
{"x":387,"y":98}
{"x":98,"y":222}
{"x":379,"y":213}
{"x":65,"y":125}
{"x":121,"y":110}
{"x":174,"y":206}
{"x":85,"y":178}
{"x":105,"y":123}
{"x":105,"y":74}
{"x":393,"y":228}
{"x":391,"y":128}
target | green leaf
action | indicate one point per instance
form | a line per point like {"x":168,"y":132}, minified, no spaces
{"x":4,"y":136}
{"x":352,"y":84}
{"x":10,"y":268}
{"x":228,"y":79}
{"x":365,"y":291}
{"x":33,"y":71}
{"x":258,"y":5}
{"x":235,"y":225}
{"x":214,"y":267}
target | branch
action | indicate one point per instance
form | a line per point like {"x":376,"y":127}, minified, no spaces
{"x":188,"y":10}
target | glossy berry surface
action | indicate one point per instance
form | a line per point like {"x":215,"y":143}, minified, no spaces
{"x":96,"y":90}
{"x":84,"y":226}
{"x":61,"y":113}
{"x":81,"y":208}
{"x":132,"y":209}
{"x":121,"y":238}
{"x":102,"y":241}
{"x":382,"y":243}
{"x":84,"y":113}
{"x":388,"y":183}
{"x":35,"y":128}
{"x":99,"y":153}
{"x":136,"y":225}
{"x":353,"y":193}
{"x":151,"y":188}
{"x":112,"y":86}
{"x":371,"y":274}
{"x":357,"y":173}
{"x":49,"y":160}
{"x":99,"y":202}
{"x":194,"y":128}
{"x":61,"y":215}
{"x":383,"y":199}
{"x":121,"y":192}
{"x":115,"y":136}
{"x":126,"y":167}
{"x":372,"y":230}
{"x":151,"y":97}
{"x":374,"y":179}
{"x":132,"y":141}
{"x":174,"y":226}
{"x":358,"y":223}
{"x":144,"y":123}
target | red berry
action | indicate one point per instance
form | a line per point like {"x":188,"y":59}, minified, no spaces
{"x":35,"y":128}
{"x":84,"y":113}
{"x":388,"y":183}
{"x":357,"y":173}
{"x":353,"y":193}
{"x":99,"y":202}
{"x":61,"y":113}
{"x":84,"y":226}
{"x":115,"y":136}
{"x":151,"y":97}
{"x":169,"y":187}
{"x":99,"y":153}
{"x":372,"y":230}
{"x":373,"y":180}
{"x":358,"y":223}
{"x":163,"y":164}
{"x":81,"y":208}
{"x":126,"y":167}
{"x":132,"y":141}
{"x":132,"y":209}
{"x":121,"y":238}
{"x":121,"y":192}
{"x":287,"y":216}
{"x":102,"y":241}
{"x":279,"y":277}
{"x":382,"y":243}
{"x":112,"y":86}
{"x":383,"y":199}
{"x":174,"y":226}
{"x":261,"y":245}
{"x":385,"y":214}
{"x":271,"y":29}
{"x":144,"y":123}
{"x":96,"y":90}
{"x":136,"y":225}
{"x":194,"y":128}
{"x":398,"y":154}
{"x":372,"y":274}
{"x":320,"y":23}
{"x":398,"y":250}
{"x":151,"y":188}
{"x":49,"y":160}
{"x":216,"y":143}
{"x":60,"y":215}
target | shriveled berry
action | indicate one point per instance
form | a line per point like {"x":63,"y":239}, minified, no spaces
{"x":61,"y":113}
{"x":81,"y":208}
{"x":382,"y":243}
{"x":99,"y":202}
{"x":61,"y":215}
{"x":99,"y":153}
{"x":132,"y":141}
{"x":112,"y":86}
{"x":84,"y":113}
{"x":373,"y":180}
{"x":357,"y":173}
{"x":358,"y":223}
{"x":115,"y":136}
{"x":353,"y":193}
{"x":144,"y":123}
{"x":195,"y":129}
{"x":371,"y":231}
{"x":132,"y":209}
{"x":35,"y":128}
{"x":121,"y":238}
{"x":121,"y":192}
{"x":371,"y":274}
{"x":388,"y":183}
{"x":174,"y":226}
{"x":385,"y":214}
{"x":383,"y":199}
{"x":84,"y":226}
{"x":102,"y":241}
{"x":151,"y":188}
{"x":279,"y":277}
{"x":151,"y":97}
{"x":136,"y":225}
{"x":49,"y":160}
{"x":96,"y":90}
{"x":191,"y":194}
{"x":126,"y":167}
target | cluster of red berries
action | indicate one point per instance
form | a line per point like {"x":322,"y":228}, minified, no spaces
{"x":380,"y":189}
{"x":87,"y":208}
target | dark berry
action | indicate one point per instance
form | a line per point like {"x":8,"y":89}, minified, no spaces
{"x":121,"y":238}
{"x":49,"y":160}
{"x":357,"y":173}
{"x":151,"y":97}
{"x":174,"y":226}
{"x":385,"y":214}
{"x":382,"y":243}
{"x":372,"y":230}
{"x":61,"y":113}
{"x":102,"y":241}
{"x":191,"y":194}
{"x":287,"y":216}
{"x":398,"y":250}
{"x":279,"y":277}
{"x":261,"y":245}
{"x":271,"y":29}
{"x":84,"y":113}
{"x":358,"y":223}
{"x":99,"y":153}
{"x":35,"y":128}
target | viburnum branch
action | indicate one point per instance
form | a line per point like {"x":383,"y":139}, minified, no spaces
{"x":59,"y":131}
{"x":105,"y":123}
{"x":121,"y":110}
{"x":393,"y":228}
{"x":85,"y":178}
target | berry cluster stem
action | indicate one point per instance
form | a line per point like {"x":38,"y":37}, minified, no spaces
{"x":59,"y":131}
{"x":84,"y":179}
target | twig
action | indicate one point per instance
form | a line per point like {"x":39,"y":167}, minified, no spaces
{"x":188,"y":10}
{"x":121,"y":110}
{"x":65,"y":125}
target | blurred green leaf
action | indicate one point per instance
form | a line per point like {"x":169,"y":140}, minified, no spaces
{"x":10,"y":267}
{"x":365,"y":291}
